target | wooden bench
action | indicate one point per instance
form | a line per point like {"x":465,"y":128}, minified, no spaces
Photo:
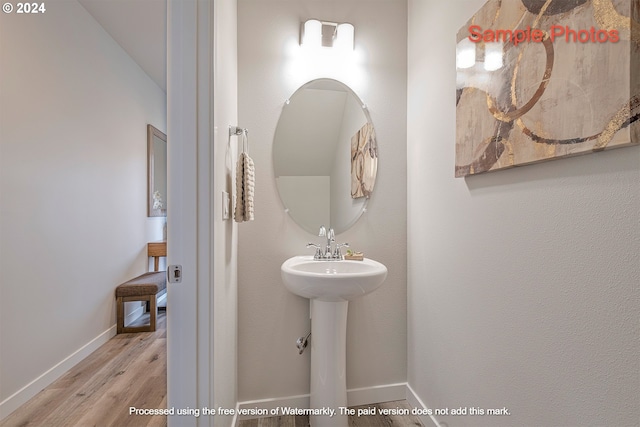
{"x":143,"y":288}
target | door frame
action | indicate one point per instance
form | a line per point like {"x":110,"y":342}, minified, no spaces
{"x":189,"y":230}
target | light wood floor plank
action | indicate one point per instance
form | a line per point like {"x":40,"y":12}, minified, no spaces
{"x":158,"y":421}
{"x":377,"y":420}
{"x":125,"y":387}
{"x":84,"y":402}
{"x":128,"y":370}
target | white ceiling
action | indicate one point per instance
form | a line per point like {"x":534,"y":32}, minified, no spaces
{"x":140,"y":28}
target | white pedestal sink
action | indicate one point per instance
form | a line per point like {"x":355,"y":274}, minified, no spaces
{"x":330,"y":285}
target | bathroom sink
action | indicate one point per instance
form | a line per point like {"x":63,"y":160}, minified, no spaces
{"x":332,"y":281}
{"x":330,"y":285}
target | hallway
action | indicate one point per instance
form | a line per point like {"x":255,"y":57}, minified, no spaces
{"x":130,"y":370}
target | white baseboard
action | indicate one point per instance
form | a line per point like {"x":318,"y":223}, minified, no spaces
{"x":416,"y":402}
{"x":135,"y":314}
{"x":162,"y":300}
{"x":355,"y":397}
{"x":20,"y":397}
{"x":376,"y":394}
{"x":300,"y":401}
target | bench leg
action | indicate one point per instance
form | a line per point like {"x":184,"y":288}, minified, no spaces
{"x":120,"y":315}
{"x":153,"y":313}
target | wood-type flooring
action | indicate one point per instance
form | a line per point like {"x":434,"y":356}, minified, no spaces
{"x":130,"y":371}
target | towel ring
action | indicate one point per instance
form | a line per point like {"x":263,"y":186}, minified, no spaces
{"x":236,"y":131}
{"x":245,"y":140}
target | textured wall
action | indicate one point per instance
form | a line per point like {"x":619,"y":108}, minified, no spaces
{"x":270,"y":319}
{"x":523,"y":284}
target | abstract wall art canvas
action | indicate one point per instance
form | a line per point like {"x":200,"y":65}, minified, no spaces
{"x":545,"y":79}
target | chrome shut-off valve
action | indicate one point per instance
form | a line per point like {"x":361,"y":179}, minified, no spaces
{"x":302,"y":343}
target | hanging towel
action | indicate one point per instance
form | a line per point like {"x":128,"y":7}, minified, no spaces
{"x":245,"y":184}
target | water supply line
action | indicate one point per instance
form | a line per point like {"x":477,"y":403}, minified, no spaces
{"x":302,"y":343}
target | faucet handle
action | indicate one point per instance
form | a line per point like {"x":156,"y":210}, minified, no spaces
{"x":322,"y":232}
{"x":318,"y":254}
{"x":331,"y":235}
{"x":337,"y":253}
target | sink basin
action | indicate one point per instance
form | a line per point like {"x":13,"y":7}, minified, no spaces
{"x":332,"y":281}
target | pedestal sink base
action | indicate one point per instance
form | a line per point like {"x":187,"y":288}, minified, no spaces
{"x":328,"y":361}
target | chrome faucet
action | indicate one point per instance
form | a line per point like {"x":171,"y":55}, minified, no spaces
{"x":337,"y":253}
{"x":331,"y":237}
{"x":318,"y":254}
{"x":327,"y":254}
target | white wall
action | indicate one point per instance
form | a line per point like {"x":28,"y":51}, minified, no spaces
{"x":73,"y":114}
{"x":271,"y":67}
{"x":523,"y":284}
{"x":225,"y":281}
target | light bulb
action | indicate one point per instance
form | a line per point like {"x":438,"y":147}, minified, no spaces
{"x":312,"y":35}
{"x":345,"y":37}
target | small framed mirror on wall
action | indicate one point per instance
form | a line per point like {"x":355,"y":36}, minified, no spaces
{"x":156,"y":172}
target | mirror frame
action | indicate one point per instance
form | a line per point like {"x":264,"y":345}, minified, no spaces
{"x":153,"y":132}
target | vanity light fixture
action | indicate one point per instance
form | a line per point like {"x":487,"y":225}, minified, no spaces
{"x":465,"y":53}
{"x":493,"y":56}
{"x":488,"y":54}
{"x":317,"y":33}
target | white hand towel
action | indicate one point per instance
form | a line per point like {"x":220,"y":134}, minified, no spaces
{"x":249,"y":187}
{"x":245,"y":184}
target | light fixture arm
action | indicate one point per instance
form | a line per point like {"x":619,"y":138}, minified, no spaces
{"x":317,"y":33}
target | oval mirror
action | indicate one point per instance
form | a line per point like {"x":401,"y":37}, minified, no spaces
{"x":325,"y":156}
